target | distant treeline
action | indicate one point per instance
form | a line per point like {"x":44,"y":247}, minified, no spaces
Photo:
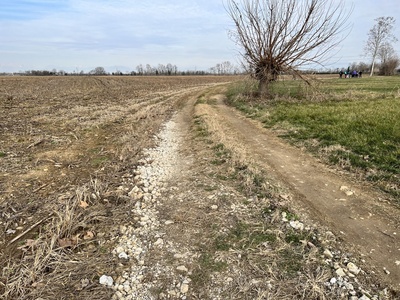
{"x":225,"y":68}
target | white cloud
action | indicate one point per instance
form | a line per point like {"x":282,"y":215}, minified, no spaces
{"x":188,"y":33}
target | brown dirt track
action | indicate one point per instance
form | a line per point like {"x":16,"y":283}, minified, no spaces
{"x":77,"y":137}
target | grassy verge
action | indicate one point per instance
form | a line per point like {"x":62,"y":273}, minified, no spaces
{"x":353,"y":123}
{"x":254,"y":241}
{"x":257,"y":246}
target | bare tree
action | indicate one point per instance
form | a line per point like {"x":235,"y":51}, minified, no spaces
{"x":149,"y":69}
{"x":98,"y":71}
{"x":282,"y":35}
{"x":389,"y":60}
{"x":379,"y":35}
{"x":161,"y":69}
{"x":170,"y":69}
{"x":139,"y":69}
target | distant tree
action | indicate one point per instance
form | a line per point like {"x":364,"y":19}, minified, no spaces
{"x":170,"y":69}
{"x":281,"y":35}
{"x":149,"y":69}
{"x":98,"y":71}
{"x":389,"y":60}
{"x":161,"y":69}
{"x":223,"y":68}
{"x":380,"y":35}
{"x":227,"y":67}
{"x":139,"y":69}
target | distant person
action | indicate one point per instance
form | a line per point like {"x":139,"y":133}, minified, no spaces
{"x":340,"y":74}
{"x":360,"y":74}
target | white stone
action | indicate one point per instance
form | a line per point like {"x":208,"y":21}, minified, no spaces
{"x":127,"y":288}
{"x":340,"y":272}
{"x":123,"y":255}
{"x":159,"y":242}
{"x":184,"y":287}
{"x":297,"y":225}
{"x":353,"y":268}
{"x":106,"y":280}
{"x":328,"y":253}
{"x":214,"y":207}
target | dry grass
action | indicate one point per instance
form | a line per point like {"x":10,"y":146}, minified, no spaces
{"x":66,"y":147}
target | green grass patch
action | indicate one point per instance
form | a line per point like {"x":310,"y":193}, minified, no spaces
{"x":243,"y":236}
{"x":290,"y":262}
{"x":3,"y":154}
{"x":207,"y":265}
{"x":370,"y":130}
{"x":355,"y":120}
{"x":200,"y":127}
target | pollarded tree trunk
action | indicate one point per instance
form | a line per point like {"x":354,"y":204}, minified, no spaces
{"x":263,"y":88}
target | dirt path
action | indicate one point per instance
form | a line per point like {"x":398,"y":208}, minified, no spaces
{"x":351,"y":210}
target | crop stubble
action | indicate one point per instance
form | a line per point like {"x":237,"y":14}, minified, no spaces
{"x":65,"y":142}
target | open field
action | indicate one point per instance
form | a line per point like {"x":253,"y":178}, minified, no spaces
{"x":158,"y":185}
{"x":351,"y":123}
{"x":64,"y":141}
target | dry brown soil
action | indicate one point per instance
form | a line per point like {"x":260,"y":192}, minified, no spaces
{"x":76,"y":139}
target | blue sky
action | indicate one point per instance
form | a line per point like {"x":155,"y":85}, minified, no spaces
{"x":121,"y":34}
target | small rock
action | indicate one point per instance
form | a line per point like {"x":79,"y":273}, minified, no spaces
{"x":386,"y":271}
{"x":159,"y":242}
{"x":333,"y":280}
{"x":10,"y":231}
{"x":340,"y":272}
{"x":353,"y":268}
{"x":297,"y":225}
{"x":169,"y":222}
{"x":336,"y":265}
{"x":106,"y":280}
{"x":127,"y":288}
{"x":123,"y":255}
{"x":182,"y":268}
{"x":363,"y":297}
{"x":328,"y":253}
{"x":184,"y":287}
{"x":214,"y":207}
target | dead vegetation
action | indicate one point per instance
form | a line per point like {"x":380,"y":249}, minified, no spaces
{"x":65,"y":145}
